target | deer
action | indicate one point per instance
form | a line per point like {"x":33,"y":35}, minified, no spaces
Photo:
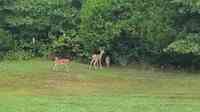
{"x":96,"y":61}
{"x":93,"y":62}
{"x":107,"y":61}
{"x":62,"y":61}
{"x":99,"y":58}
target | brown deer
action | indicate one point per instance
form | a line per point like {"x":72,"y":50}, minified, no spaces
{"x":96,"y":61}
{"x":93,"y":62}
{"x":62,"y":61}
{"x":99,"y":58}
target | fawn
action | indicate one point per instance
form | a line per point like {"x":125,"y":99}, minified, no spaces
{"x":62,"y":61}
{"x":107,"y":60}
{"x":93,"y":62}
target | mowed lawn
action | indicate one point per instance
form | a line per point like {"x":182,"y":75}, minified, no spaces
{"x":31,"y":86}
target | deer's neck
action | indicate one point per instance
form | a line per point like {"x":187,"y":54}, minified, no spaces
{"x":101,"y":54}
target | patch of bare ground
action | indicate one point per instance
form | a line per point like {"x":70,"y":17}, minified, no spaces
{"x":63,"y":85}
{"x":72,"y":85}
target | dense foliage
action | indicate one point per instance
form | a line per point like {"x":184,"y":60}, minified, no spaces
{"x":150,"y":31}
{"x":185,"y":49}
{"x":128,"y":29}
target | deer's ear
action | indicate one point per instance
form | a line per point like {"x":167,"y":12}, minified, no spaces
{"x":101,"y":48}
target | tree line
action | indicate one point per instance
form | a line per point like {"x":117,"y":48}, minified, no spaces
{"x":131,"y":31}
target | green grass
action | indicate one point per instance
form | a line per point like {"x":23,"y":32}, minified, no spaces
{"x":31,"y":86}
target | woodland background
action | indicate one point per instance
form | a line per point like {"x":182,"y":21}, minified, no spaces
{"x":163,"y":32}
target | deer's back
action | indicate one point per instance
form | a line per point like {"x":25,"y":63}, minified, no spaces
{"x":62,"y":61}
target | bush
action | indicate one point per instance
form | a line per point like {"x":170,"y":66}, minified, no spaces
{"x":18,"y":55}
{"x":66,"y":46}
{"x":127,"y":29}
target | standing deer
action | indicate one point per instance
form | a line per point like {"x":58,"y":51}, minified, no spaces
{"x":93,"y":62}
{"x":63,"y":61}
{"x":107,"y":61}
{"x":97,"y":60}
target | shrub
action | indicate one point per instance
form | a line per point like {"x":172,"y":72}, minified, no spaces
{"x":18,"y":55}
{"x":127,"y":29}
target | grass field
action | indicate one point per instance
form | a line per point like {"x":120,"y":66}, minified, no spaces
{"x":31,"y":86}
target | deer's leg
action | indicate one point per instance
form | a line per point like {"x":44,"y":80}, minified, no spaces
{"x":100,"y":64}
{"x":67,"y":67}
{"x":108,"y":64}
{"x":54,"y":66}
{"x":95,"y":64}
{"x":91,"y":64}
